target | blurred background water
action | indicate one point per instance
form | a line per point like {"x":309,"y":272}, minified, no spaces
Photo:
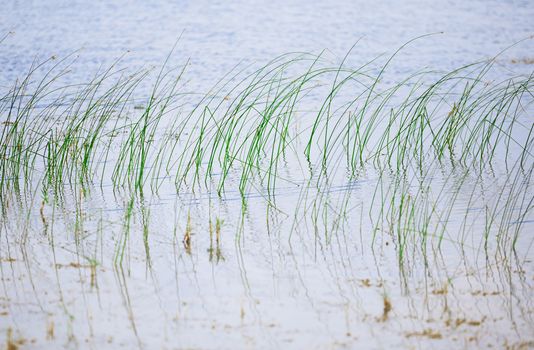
{"x":216,"y":35}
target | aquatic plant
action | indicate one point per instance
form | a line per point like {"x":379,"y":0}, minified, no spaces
{"x":331,"y":122}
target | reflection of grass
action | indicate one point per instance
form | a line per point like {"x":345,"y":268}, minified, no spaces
{"x":123,"y":241}
{"x":187,"y":235}
{"x":215,"y":251}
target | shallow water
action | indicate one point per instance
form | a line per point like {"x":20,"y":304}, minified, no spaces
{"x":263,"y":289}
{"x":375,"y":260}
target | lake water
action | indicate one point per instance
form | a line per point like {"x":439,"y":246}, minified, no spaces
{"x":236,"y":239}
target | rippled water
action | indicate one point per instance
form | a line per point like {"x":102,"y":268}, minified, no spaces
{"x":316,"y":265}
{"x":217,"y":35}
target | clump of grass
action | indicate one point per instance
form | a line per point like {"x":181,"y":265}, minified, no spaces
{"x":123,"y":241}
{"x":251,"y":132}
{"x":333,"y":121}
